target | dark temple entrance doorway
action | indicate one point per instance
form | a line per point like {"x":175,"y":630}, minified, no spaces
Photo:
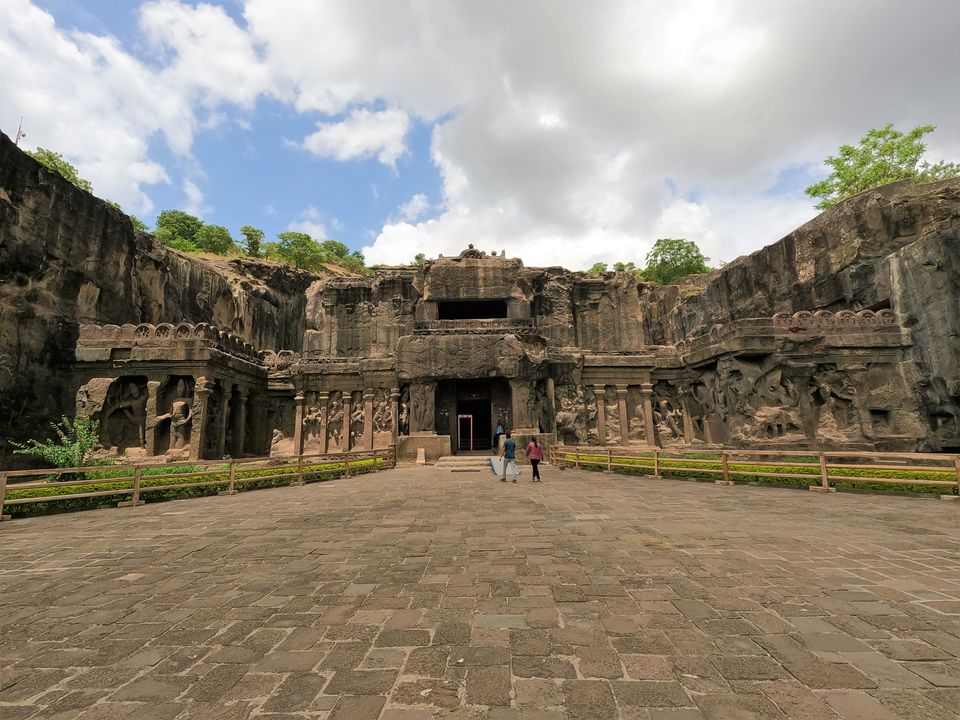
{"x":467,"y":410}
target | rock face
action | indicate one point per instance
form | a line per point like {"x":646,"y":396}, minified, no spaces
{"x":68,"y":258}
{"x":843,"y":334}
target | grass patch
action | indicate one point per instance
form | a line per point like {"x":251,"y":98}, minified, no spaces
{"x":783,"y":476}
{"x":118,"y":481}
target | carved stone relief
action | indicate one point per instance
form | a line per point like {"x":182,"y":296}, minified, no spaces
{"x":335,"y":439}
{"x":124,"y":415}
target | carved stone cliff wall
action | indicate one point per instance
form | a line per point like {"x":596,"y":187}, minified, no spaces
{"x":67,"y":257}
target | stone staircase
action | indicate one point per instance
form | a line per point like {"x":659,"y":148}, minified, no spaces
{"x":464,"y":463}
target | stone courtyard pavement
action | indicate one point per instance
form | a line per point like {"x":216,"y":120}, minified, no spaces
{"x":417,"y":593}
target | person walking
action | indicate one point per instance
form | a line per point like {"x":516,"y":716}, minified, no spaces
{"x":535,"y":455}
{"x":508,"y":456}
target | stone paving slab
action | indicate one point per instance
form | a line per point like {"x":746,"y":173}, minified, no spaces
{"x":416,"y":594}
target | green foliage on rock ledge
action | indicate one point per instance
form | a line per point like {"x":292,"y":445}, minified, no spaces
{"x":54,"y":161}
{"x":882,"y":156}
{"x":76,"y":439}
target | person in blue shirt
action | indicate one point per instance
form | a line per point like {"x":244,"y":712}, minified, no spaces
{"x":508,"y":456}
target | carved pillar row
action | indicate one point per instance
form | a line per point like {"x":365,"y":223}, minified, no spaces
{"x":646,"y":392}
{"x":394,"y":414}
{"x":202,"y":391}
{"x":347,"y":409}
{"x":150,"y":422}
{"x":624,"y":418}
{"x":239,"y":430}
{"x":368,"y":419}
{"x":298,"y":425}
{"x":323,"y":403}
{"x":600,"y":391}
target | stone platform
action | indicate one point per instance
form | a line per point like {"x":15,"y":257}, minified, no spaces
{"x":418,"y":593}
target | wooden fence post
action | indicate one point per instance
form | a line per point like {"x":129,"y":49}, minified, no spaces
{"x":609,"y":463}
{"x":3,"y":495}
{"x":135,"y":497}
{"x":656,"y":462}
{"x":576,"y":458}
{"x":725,"y":459}
{"x":299,"y":470}
{"x":232,"y":488}
{"x":956,"y":490}
{"x":824,"y":486}
{"x":346,"y":466}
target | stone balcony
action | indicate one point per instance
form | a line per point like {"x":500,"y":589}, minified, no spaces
{"x":492,"y":326}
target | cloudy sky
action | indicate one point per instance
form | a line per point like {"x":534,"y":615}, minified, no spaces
{"x":564,"y":131}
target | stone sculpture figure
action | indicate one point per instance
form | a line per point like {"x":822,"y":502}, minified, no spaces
{"x":356,"y":424}
{"x":381,"y":412}
{"x":570,"y":424}
{"x":669,"y":422}
{"x":128,"y":402}
{"x":443,"y":422}
{"x":181,"y":418}
{"x":638,"y":424}
{"x":335,"y":420}
{"x":612,"y":417}
{"x":404,"y":417}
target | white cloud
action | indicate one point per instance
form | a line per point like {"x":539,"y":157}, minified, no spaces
{"x":194,"y":199}
{"x":364,"y":133}
{"x":414,"y":207}
{"x":314,"y":223}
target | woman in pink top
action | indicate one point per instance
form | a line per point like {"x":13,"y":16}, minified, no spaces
{"x":535,"y":453}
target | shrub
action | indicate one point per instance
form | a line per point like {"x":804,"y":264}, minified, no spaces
{"x":76,"y":439}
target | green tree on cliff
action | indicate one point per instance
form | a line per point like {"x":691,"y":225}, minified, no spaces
{"x":298,"y":249}
{"x":882,"y":156}
{"x":55,"y":162}
{"x":673,"y":258}
{"x":252,"y":238}
{"x":177,"y":226}
{"x":598,"y":267}
{"x":214,"y":239}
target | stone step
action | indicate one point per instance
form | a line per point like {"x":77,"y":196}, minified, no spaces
{"x":464,"y":463}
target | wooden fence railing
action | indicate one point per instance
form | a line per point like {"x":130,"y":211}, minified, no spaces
{"x":823,"y":469}
{"x":139,"y":481}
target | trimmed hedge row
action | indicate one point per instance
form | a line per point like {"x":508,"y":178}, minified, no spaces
{"x":742,"y":474}
{"x":122,"y":479}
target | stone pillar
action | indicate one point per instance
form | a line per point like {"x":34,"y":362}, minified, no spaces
{"x":552,"y":404}
{"x":394,"y":414}
{"x":368,"y":419}
{"x":323,"y":400}
{"x":646,"y":392}
{"x":298,"y":425}
{"x":601,"y":396}
{"x":624,"y":418}
{"x":150,"y":422}
{"x":239,"y":424}
{"x":423,"y":407}
{"x":345,"y":437}
{"x":198,"y":422}
{"x":224,"y":419}
{"x":689,"y":434}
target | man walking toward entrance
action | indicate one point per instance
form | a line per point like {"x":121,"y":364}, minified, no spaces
{"x":508,"y":456}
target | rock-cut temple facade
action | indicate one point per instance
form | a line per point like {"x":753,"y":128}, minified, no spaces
{"x":437,"y":357}
{"x":843,"y":334}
